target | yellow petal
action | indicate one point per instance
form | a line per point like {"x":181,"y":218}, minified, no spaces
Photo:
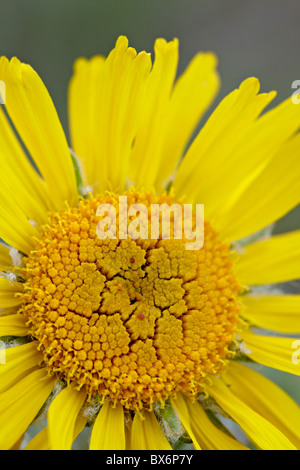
{"x":15,"y":228}
{"x":18,"y":362}
{"x":270,"y":196}
{"x":32,"y":112}
{"x":18,"y":173}
{"x":31,"y":206}
{"x":82,"y":110}
{"x":278,"y":259}
{"x":266,"y":398}
{"x":5,"y":258}
{"x":62,"y":416}
{"x":16,"y":446}
{"x":203,"y":171}
{"x":193,"y":93}
{"x":179,"y":404}
{"x":259,"y":430}
{"x":149,"y":140}
{"x":41,"y":440}
{"x":146,"y":434}
{"x":9,"y":311}
{"x":208,"y":435}
{"x":109,"y":429}
{"x":9,"y":291}
{"x":79,"y":425}
{"x":13,"y":325}
{"x":264,"y":139}
{"x":20,"y":404}
{"x":273,"y":312}
{"x":271,"y":351}
{"x":103,"y":124}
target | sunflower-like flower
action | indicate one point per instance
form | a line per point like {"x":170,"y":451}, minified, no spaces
{"x":143,"y":341}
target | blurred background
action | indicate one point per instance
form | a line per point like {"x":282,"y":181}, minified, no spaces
{"x":251,"y":38}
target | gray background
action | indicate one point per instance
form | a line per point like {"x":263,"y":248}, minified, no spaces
{"x":251,"y":38}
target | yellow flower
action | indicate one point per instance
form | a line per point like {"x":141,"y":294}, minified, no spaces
{"x":144,"y":341}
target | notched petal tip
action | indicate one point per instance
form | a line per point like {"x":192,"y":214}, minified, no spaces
{"x":122,"y":42}
{"x":162,"y":46}
{"x":251,"y":83}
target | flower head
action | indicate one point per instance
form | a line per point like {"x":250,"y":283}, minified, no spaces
{"x":133,"y":334}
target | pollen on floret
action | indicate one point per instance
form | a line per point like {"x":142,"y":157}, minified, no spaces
{"x":133,"y":320}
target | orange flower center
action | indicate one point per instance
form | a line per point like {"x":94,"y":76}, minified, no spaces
{"x":132,"y":320}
